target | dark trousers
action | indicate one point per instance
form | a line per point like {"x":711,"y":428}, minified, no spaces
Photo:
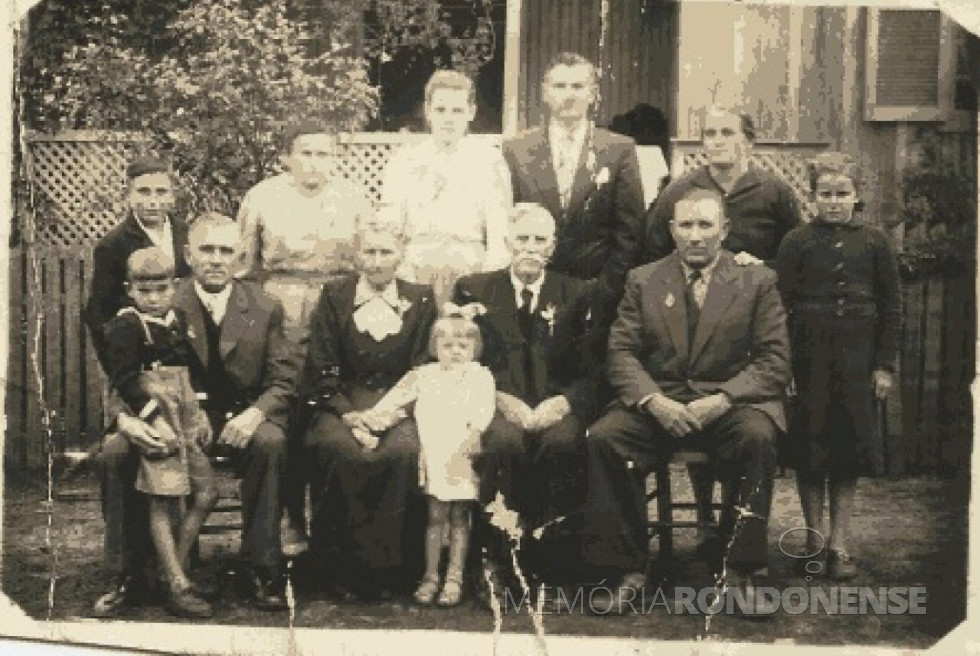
{"x":541,"y":476}
{"x":361,"y":497}
{"x":128,"y":546}
{"x":625,"y":445}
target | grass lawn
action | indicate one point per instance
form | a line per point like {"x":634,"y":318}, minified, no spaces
{"x":906,"y":532}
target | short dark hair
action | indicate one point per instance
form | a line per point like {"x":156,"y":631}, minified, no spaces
{"x":570,"y":59}
{"x":833,"y":163}
{"x":696,"y":194}
{"x":444,"y":79}
{"x":293,"y":131}
{"x":208,"y":220}
{"x":745,"y":121}
{"x":145,"y":165}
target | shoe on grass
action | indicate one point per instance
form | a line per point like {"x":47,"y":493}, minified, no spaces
{"x":840,"y":566}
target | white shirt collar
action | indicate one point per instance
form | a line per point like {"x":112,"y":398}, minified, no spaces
{"x":168,"y":319}
{"x":705,"y":271}
{"x":162,"y":236}
{"x":364,"y":293}
{"x":215,"y":302}
{"x":557,"y":134}
{"x":534,"y":288}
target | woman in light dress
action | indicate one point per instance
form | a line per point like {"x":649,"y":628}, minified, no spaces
{"x":454,"y":399}
{"x":451,"y":192}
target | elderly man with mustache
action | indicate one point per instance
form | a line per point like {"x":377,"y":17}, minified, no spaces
{"x":533,"y":452}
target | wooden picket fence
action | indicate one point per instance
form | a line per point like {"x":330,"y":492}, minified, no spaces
{"x":55,"y":384}
{"x":53,"y":381}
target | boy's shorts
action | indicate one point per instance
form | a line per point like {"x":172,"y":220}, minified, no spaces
{"x":186,"y":472}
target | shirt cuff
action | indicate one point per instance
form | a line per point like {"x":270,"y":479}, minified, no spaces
{"x":148,"y":410}
{"x":642,"y":403}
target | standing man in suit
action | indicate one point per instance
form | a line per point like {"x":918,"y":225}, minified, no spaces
{"x":149,"y":204}
{"x":236,"y":331}
{"x":699,"y":357}
{"x":588,"y":178}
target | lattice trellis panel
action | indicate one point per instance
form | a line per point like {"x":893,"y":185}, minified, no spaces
{"x":788,"y":161}
{"x":79,"y":178}
{"x":78,"y":182}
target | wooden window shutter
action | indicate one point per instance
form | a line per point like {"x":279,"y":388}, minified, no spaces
{"x":909,"y":59}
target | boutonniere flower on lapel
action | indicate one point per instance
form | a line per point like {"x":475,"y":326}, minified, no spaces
{"x":548,"y":314}
{"x":403,"y":306}
{"x":602,"y":177}
{"x":190,"y":333}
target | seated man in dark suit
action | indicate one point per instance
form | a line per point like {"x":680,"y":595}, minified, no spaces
{"x":532,"y":337}
{"x":236,"y":333}
{"x":699,"y":357}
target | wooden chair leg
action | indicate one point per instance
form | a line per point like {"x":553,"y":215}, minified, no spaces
{"x":665,"y":515}
{"x":703,"y":486}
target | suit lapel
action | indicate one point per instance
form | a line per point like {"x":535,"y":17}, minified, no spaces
{"x":542,"y":170}
{"x":236,"y":322}
{"x":720,"y":294}
{"x":670,"y":296}
{"x":582,"y":183}
{"x":186,"y":299}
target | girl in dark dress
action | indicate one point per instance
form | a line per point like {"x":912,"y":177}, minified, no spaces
{"x":840,"y":283}
{"x":366,"y":332}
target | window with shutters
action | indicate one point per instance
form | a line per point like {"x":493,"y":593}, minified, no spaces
{"x":910,"y":65}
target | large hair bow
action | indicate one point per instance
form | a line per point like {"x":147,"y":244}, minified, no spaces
{"x":468,"y":311}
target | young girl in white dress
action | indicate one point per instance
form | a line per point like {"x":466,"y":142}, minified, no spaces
{"x":454,"y":401}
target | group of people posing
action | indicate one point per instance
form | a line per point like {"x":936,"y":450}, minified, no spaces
{"x":507,"y":330}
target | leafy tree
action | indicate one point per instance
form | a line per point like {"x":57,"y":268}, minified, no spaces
{"x":941,"y":198}
{"x":213,"y":87}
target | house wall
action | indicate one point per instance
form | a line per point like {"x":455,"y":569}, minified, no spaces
{"x":637,"y":51}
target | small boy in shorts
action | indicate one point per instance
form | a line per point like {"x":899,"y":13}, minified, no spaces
{"x":148,"y":355}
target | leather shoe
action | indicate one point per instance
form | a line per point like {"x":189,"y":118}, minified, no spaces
{"x":127,"y":592}
{"x":756,"y":605}
{"x":626,"y":597}
{"x":187,"y":603}
{"x":266,"y":593}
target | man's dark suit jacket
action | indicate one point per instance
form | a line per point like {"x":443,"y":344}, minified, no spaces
{"x":740,"y":347}
{"x":254,"y":351}
{"x":598,"y":233}
{"x":108,"y":295}
{"x":761,"y":209}
{"x":556,"y":348}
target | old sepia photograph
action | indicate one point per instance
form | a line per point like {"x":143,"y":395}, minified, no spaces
{"x":488,"y":326}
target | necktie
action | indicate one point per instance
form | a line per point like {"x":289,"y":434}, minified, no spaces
{"x":695,"y":277}
{"x":527,"y":329}
{"x":524,"y":312}
{"x":567,"y":161}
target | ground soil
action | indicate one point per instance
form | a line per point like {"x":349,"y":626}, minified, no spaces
{"x":907,"y":531}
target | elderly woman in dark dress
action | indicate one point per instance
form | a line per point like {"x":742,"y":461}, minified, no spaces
{"x":366,"y":332}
